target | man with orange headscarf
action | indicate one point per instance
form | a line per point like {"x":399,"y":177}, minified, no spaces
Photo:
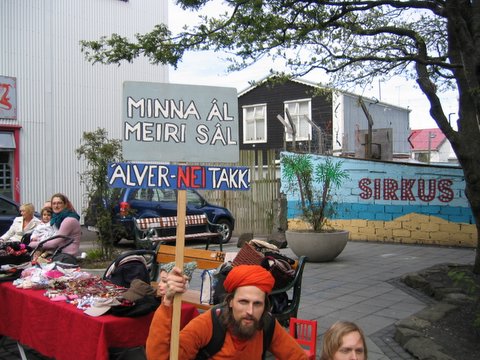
{"x":244,"y":315}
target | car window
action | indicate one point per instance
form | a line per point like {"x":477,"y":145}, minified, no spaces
{"x":193,"y":198}
{"x":142,"y":194}
{"x":164,"y":195}
{"x":7,"y":208}
{"x":167,"y":195}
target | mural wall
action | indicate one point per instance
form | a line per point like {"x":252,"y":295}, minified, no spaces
{"x":396,"y":202}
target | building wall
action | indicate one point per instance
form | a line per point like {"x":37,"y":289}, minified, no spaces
{"x":338,"y":114}
{"x":443,"y":154}
{"x":445,"y":151}
{"x":404,"y":203}
{"x":59,"y":94}
{"x":349,"y":117}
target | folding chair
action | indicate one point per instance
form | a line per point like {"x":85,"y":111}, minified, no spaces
{"x":305,"y":332}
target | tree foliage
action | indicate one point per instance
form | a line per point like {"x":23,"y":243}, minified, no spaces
{"x":98,"y":150}
{"x":314,"y":183}
{"x":434,"y":42}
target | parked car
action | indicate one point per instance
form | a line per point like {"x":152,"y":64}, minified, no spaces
{"x":9,"y":210}
{"x":133,"y":203}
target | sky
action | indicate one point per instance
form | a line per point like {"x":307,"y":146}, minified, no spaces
{"x":210,"y":68}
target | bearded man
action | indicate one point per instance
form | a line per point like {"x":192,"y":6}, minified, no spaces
{"x":243,"y":317}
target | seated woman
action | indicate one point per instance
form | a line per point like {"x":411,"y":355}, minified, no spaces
{"x":65,"y":222}
{"x":43,"y":230}
{"x":21,"y":225}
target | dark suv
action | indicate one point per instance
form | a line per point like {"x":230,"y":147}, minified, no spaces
{"x":143,"y":203}
{"x":9,"y":210}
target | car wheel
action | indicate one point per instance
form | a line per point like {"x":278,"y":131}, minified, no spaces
{"x":225,"y":228}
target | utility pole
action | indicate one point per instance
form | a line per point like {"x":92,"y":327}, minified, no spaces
{"x":430,"y":137}
{"x":368,"y":145}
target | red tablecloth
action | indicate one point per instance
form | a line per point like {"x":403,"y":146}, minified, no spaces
{"x":61,"y":331}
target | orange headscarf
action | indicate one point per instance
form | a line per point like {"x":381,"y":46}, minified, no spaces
{"x":249,"y":275}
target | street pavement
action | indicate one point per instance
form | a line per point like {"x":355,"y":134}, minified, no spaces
{"x":362,"y":285}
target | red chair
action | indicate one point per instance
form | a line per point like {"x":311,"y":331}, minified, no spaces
{"x":305,"y":332}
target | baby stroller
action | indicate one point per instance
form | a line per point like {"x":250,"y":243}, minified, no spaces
{"x":136,"y":264}
{"x":56,"y":255}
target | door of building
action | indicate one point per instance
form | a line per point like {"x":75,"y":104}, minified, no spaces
{"x":7,"y":148}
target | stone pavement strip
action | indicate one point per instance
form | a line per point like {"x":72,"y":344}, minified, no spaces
{"x":360,"y":286}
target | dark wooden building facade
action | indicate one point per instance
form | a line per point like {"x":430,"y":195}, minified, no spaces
{"x":260,"y":105}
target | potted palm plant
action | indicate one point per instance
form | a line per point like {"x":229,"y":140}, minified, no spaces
{"x":314,"y":182}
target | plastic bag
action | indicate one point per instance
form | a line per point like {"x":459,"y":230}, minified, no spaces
{"x":208,"y":284}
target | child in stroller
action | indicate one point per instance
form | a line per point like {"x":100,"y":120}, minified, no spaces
{"x":44,"y":230}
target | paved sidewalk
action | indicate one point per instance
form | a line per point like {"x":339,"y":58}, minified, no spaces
{"x":360,"y":286}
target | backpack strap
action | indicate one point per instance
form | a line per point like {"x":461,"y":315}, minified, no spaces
{"x":219,"y":332}
{"x":218,"y":336}
{"x":268,"y":334}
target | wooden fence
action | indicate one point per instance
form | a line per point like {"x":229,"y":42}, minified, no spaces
{"x":255,"y":210}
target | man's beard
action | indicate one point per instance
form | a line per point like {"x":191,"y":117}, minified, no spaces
{"x":243,"y":331}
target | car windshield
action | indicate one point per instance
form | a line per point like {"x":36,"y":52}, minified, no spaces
{"x":7,"y":208}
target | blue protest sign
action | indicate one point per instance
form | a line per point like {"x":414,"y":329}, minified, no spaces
{"x":181,"y":177}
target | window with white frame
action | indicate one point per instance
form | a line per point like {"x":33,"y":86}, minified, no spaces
{"x":299,"y":111}
{"x":255,"y":123}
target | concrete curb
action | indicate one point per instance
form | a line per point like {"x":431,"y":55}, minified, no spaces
{"x":409,"y":332}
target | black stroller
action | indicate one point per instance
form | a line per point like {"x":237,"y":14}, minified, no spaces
{"x":56,"y":255}
{"x":18,"y":256}
{"x":136,"y":264}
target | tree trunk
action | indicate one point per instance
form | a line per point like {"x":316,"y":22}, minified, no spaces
{"x":465,"y":141}
{"x":472,"y":191}
{"x":467,"y":147}
{"x":476,"y":264}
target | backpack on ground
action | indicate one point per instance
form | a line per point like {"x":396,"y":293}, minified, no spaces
{"x":219,"y":332}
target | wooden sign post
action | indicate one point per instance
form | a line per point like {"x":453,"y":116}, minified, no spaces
{"x":179,"y":254}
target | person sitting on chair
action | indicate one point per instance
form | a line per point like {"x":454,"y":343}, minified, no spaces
{"x":189,"y":311}
{"x":64,"y":222}
{"x":21,"y":225}
{"x":243,"y":316}
{"x":344,"y":340}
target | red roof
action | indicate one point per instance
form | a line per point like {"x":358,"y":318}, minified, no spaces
{"x":419,"y":139}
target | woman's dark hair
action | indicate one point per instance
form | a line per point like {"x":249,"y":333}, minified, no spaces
{"x":65,"y":200}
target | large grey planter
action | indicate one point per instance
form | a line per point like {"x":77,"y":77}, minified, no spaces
{"x":317,"y":246}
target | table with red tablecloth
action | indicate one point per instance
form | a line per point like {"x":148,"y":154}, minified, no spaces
{"x":61,"y":331}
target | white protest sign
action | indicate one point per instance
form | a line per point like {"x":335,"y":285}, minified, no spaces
{"x":179,"y":123}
